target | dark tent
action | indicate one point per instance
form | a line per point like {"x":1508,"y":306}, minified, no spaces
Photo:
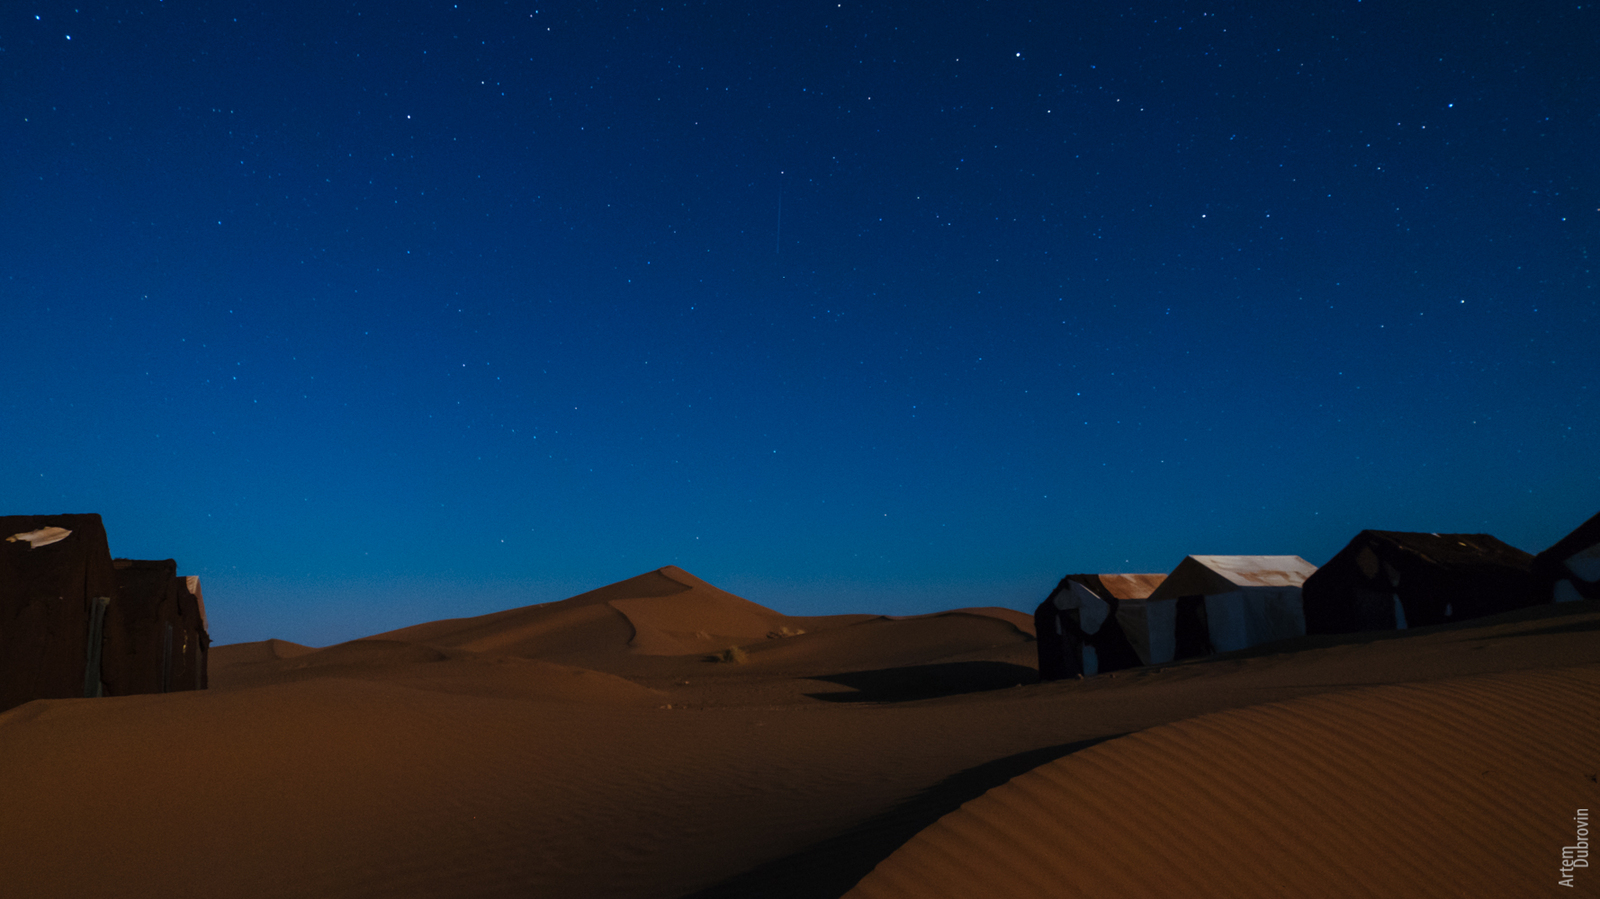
{"x":1384,"y":580}
{"x":154,"y":634}
{"x":1077,"y":627}
{"x":1570,"y":568}
{"x":56,"y":583}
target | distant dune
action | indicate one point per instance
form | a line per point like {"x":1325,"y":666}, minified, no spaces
{"x":661,"y":737}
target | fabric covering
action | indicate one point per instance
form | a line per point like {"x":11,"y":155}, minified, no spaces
{"x":50,"y":576}
{"x":1385,"y":580}
{"x":1570,"y":568}
{"x":1078,"y":629}
{"x":155,"y":642}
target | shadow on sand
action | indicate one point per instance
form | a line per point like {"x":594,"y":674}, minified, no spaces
{"x":827,"y":870}
{"x":925,"y":681}
{"x":1469,"y":630}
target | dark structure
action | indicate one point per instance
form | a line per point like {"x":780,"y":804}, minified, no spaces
{"x":155,"y":641}
{"x":1384,"y":580}
{"x":1191,"y":633}
{"x":1570,"y":568}
{"x":76,"y":623}
{"x":56,"y":584}
{"x":1077,"y":627}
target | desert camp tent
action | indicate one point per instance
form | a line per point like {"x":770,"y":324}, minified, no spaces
{"x":1078,"y":628}
{"x":75,"y":622}
{"x":1570,"y":568}
{"x":1383,"y":580}
{"x":154,"y":635}
{"x":1225,"y":603}
{"x":56,"y":583}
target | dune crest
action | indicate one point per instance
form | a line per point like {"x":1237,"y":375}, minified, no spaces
{"x":663,"y":612}
{"x":696,"y":618}
{"x":259,"y":651}
{"x":1451,"y":788}
{"x":395,"y":766}
{"x":1022,"y":621}
{"x":654,"y":631}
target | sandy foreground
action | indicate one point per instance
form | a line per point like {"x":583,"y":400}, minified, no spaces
{"x":591,"y":748}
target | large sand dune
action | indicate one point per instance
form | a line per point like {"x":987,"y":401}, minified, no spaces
{"x":1462,"y":787}
{"x":588,"y":748}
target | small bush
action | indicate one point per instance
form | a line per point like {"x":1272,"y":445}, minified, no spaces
{"x":733,"y":655}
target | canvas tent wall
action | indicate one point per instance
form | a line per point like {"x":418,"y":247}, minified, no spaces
{"x":192,"y":604}
{"x":1165,"y":630}
{"x":154,"y":631}
{"x":1234,"y":601}
{"x":1384,"y":580}
{"x":56,"y":582}
{"x":1077,"y":625}
{"x":1570,"y":568}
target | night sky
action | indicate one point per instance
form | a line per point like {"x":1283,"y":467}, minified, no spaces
{"x":376,"y":313}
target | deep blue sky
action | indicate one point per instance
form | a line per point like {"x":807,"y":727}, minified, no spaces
{"x":375,"y":313}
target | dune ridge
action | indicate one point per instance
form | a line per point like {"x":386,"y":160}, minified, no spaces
{"x":663,"y":612}
{"x":1452,"y":788}
{"x":653,"y":632}
{"x":437,"y":761}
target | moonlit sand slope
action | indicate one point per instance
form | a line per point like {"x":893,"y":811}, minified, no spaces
{"x":592,"y":748}
{"x":1463,"y":787}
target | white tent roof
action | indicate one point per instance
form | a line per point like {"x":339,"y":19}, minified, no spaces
{"x":1208,"y":575}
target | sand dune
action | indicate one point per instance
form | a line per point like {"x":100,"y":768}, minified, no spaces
{"x":662,"y":612}
{"x":658,"y":630}
{"x":667,"y":612}
{"x":424,"y":667}
{"x":554,"y":751}
{"x":1460,"y":787}
{"x":260,"y":651}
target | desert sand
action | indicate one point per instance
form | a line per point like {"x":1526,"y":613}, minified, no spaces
{"x":663,"y":738}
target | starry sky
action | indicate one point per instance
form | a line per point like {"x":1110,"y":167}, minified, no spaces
{"x":374,"y":313}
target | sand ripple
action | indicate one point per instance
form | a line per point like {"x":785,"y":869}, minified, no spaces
{"x":1464,"y":787}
